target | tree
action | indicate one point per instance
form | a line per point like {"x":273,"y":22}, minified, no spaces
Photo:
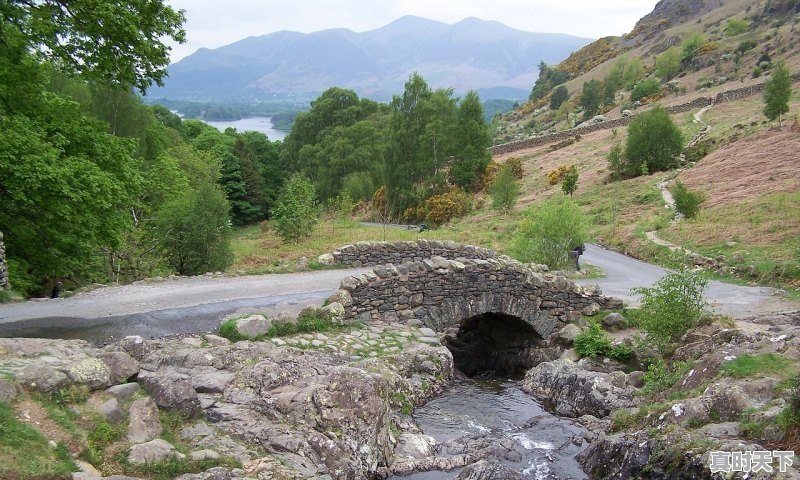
{"x":654,"y":143}
{"x":590,"y":99}
{"x":504,"y":190}
{"x":117,"y":42}
{"x":777,"y":92}
{"x":194,"y":231}
{"x":691,"y":45}
{"x":668,"y":64}
{"x":560,"y":95}
{"x":549,"y":231}
{"x":570,"y":184}
{"x":472,"y":137}
{"x":295,"y":213}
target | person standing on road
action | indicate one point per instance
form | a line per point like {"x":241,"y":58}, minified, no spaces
{"x":576,"y":254}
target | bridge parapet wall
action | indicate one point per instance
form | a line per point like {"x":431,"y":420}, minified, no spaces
{"x":441,"y":293}
{"x":370,"y":254}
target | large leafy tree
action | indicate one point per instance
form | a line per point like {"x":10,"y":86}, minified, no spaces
{"x":472,"y":137}
{"x":117,"y":42}
{"x":654,"y":143}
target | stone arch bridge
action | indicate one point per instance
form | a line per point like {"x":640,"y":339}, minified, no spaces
{"x":495,"y":311}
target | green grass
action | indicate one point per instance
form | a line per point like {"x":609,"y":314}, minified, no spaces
{"x":762,"y":364}
{"x":305,"y":324}
{"x":26,"y":453}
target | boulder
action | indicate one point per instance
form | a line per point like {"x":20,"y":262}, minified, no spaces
{"x":198,"y":455}
{"x":488,"y":470}
{"x":171,"y":391}
{"x":124,"y":391}
{"x":591,"y":309}
{"x":121,"y":366}
{"x":414,"y":446}
{"x":636,"y":379}
{"x":614,"y":321}
{"x":333,"y":312}
{"x":326,"y":259}
{"x":342,"y":297}
{"x":568,"y":333}
{"x":216,"y":340}
{"x":302,"y":264}
{"x":253,"y":325}
{"x":9,"y":390}
{"x":43,"y":378}
{"x":216,"y":473}
{"x":153,"y":451}
{"x":144,"y":424}
{"x":616,"y":457}
{"x":574,"y":391}
{"x":112,"y":411}
{"x":134,"y":345}
{"x":91,"y":372}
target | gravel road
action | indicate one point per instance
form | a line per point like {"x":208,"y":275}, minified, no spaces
{"x":156,"y":309}
{"x":198,"y":304}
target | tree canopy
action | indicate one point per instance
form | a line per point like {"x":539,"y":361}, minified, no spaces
{"x":118,"y":42}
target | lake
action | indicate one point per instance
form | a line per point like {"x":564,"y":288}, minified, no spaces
{"x":258,"y":124}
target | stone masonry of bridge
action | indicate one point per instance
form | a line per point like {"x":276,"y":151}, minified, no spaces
{"x":441,"y":293}
{"x":369,"y":254}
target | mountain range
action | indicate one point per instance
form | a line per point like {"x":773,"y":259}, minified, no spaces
{"x":473,"y":54}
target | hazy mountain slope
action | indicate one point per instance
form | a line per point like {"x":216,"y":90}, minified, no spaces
{"x":472,"y":54}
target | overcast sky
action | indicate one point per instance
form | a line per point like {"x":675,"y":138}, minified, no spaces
{"x":214,"y":23}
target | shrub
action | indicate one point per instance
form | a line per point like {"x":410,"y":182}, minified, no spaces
{"x":687,"y":202}
{"x":549,"y":231}
{"x":594,"y":342}
{"x":646,"y":88}
{"x":654,"y":143}
{"x":692,"y":44}
{"x":504,"y":191}
{"x":660,"y":377}
{"x":671,"y":307}
{"x":570,"y":182}
{"x":440,"y":209}
{"x":557,"y":175}
{"x":746,"y":46}
{"x":514,"y":164}
{"x":668,"y":64}
{"x":194,"y":231}
{"x":736,"y":26}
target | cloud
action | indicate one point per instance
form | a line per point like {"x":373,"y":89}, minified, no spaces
{"x":212,"y":23}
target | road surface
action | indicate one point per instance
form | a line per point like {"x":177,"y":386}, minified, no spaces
{"x":157,"y":309}
{"x":198,"y":304}
{"x":624,"y":273}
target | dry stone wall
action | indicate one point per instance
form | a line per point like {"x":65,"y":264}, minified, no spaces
{"x":441,"y":293}
{"x":4,"y":282}
{"x":369,"y":254}
{"x":700,"y":102}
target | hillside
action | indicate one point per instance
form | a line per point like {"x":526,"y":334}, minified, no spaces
{"x":473,"y":54}
{"x":746,"y":166}
{"x":726,"y":59}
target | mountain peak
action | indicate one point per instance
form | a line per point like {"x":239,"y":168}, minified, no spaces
{"x":470,"y":55}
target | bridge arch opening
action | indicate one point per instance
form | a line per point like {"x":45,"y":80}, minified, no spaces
{"x":495,"y":344}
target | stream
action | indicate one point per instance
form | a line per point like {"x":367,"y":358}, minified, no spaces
{"x":497,"y":414}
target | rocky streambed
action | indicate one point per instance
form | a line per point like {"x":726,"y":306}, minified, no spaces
{"x":380,"y":401}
